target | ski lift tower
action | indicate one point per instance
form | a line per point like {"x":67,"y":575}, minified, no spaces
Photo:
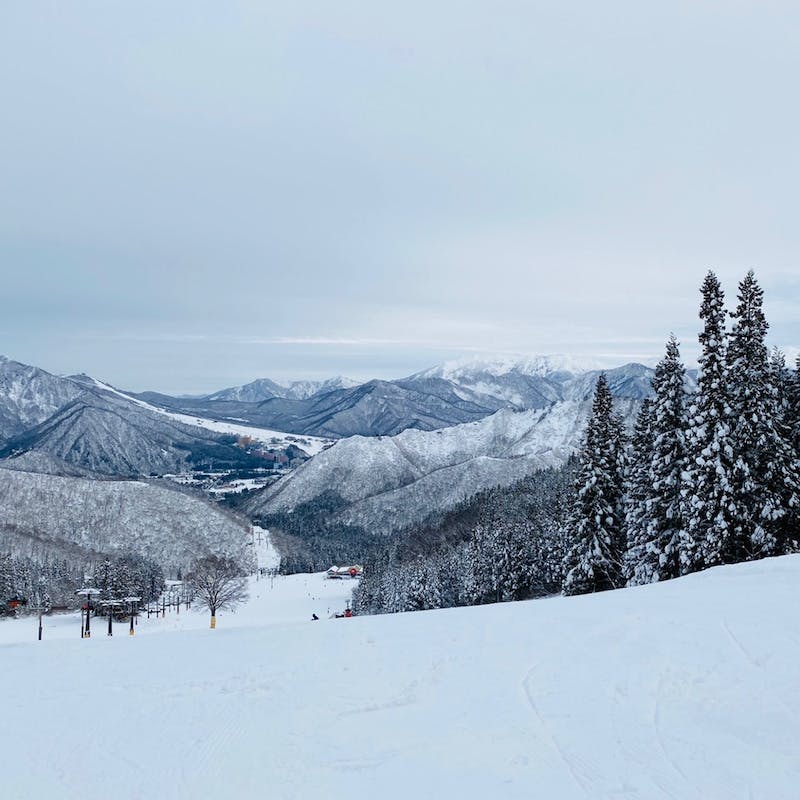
{"x":133,"y":602}
{"x":173,"y":589}
{"x":88,"y":592}
{"x":41,"y":608}
{"x":110,"y":605}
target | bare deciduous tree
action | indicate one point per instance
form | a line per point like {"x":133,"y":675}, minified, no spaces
{"x":219,"y":583}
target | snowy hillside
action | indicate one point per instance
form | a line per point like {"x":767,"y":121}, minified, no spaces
{"x":46,"y":514}
{"x":684,"y":690}
{"x":311,"y":445}
{"x":76,"y":422}
{"x":109,"y":434}
{"x":29,"y":395}
{"x":390,"y":482}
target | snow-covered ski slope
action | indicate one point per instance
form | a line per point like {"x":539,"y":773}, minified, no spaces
{"x":687,"y":689}
{"x":278,"y":600}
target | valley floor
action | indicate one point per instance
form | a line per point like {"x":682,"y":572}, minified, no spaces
{"x":688,"y":689}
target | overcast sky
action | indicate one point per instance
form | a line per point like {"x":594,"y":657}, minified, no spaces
{"x":196,"y":194}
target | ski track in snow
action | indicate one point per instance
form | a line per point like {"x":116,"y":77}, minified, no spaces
{"x":739,"y":646}
{"x":580,"y":780}
{"x":659,"y":736}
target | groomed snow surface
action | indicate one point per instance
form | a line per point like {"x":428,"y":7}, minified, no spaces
{"x":687,"y":689}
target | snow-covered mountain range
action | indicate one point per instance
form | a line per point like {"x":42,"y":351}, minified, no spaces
{"x":405,"y":448}
{"x":78,"y":423}
{"x":387,"y":483}
{"x":450,"y":394}
{"x":537,"y":381}
{"x":111,"y":436}
{"x":265,"y":389}
{"x":370,"y":409}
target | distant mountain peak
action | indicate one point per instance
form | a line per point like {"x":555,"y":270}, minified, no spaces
{"x":302,"y":390}
{"x":264,"y":389}
{"x":532,"y":365}
{"x":29,"y":395}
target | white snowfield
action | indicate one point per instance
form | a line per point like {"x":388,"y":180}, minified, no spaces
{"x":687,"y":689}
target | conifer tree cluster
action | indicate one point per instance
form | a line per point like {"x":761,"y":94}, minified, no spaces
{"x":129,"y":575}
{"x":708,"y":477}
{"x":503,"y":544}
{"x":52,"y":581}
{"x":46,"y":582}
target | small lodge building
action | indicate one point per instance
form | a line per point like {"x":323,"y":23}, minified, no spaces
{"x":350,"y":572}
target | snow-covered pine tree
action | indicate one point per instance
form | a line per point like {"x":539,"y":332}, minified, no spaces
{"x":433,"y":579}
{"x":659,"y":553}
{"x":547,"y":550}
{"x":104,"y":579}
{"x":491,"y":565}
{"x":450,"y":569}
{"x":793,"y":405}
{"x":366,"y":596}
{"x":472,"y":582}
{"x":393,"y":587}
{"x":43,"y":599}
{"x":513,"y":558}
{"x":759,"y":505}
{"x":595,"y":527}
{"x":422,"y":589}
{"x":710,"y":458}
{"x":637,"y":489}
{"x":391,"y":592}
{"x":8,"y":581}
{"x":783,"y":464}
{"x":793,"y":422}
{"x":24,"y":570}
{"x":124,"y":580}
